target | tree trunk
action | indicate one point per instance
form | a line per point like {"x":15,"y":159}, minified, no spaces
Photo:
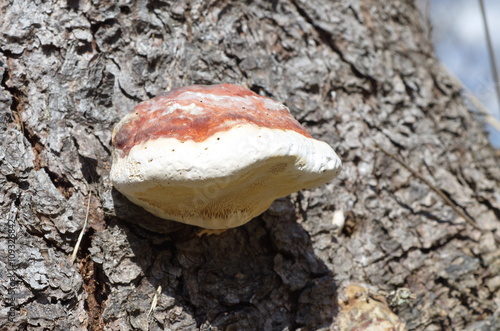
{"x":361,"y":76}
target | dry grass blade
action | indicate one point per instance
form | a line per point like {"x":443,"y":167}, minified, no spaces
{"x":437,"y":190}
{"x":155,"y":300}
{"x":484,"y":112}
{"x":75,"y":249}
{"x":491,"y":51}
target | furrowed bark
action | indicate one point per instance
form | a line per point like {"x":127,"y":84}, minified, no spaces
{"x":357,"y":74}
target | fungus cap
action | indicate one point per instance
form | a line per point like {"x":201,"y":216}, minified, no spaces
{"x":215,"y":156}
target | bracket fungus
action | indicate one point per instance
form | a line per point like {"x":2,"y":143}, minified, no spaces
{"x":215,"y":156}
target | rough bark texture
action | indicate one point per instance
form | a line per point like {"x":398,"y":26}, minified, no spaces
{"x":355,"y":73}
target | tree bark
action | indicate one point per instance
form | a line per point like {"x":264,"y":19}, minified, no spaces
{"x":357,"y":74}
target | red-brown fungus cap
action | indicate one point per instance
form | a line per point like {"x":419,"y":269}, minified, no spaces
{"x":199,"y":111}
{"x":215,"y":156}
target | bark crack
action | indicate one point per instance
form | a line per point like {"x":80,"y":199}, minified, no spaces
{"x":327,"y":38}
{"x":94,"y":284}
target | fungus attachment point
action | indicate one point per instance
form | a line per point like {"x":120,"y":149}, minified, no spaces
{"x":235,"y":153}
